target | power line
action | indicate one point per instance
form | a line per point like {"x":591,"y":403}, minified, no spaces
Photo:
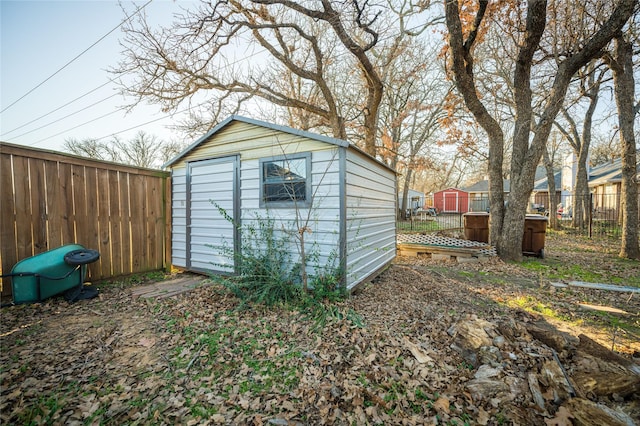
{"x":68,"y":115}
{"x":79,"y":125}
{"x":77,"y":56}
{"x":255,"y":53}
{"x":152,"y":121}
{"x":55,"y":110}
{"x":121,"y":131}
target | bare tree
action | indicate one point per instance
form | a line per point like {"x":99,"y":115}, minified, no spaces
{"x":604,"y":149}
{"x":529,"y":136}
{"x":411,"y":112}
{"x":549,"y":159}
{"x":143,"y":150}
{"x":196,"y":56}
{"x":621,"y":63}
{"x":590,"y":78}
{"x":91,"y":148}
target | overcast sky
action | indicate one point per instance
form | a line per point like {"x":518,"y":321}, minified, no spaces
{"x":40,"y":37}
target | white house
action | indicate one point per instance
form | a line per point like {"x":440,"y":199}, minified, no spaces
{"x":249,"y":171}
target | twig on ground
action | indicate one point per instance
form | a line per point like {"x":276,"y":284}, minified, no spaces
{"x":194,"y":357}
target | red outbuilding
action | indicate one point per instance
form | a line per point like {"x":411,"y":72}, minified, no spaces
{"x":451,"y":200}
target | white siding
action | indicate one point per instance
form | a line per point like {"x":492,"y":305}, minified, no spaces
{"x":179,"y":216}
{"x":371,"y":207}
{"x":322,"y":218}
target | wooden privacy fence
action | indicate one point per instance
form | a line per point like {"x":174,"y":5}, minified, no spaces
{"x":49,"y":199}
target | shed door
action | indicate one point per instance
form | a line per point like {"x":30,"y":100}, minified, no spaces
{"x":211,"y":238}
{"x":450,"y":201}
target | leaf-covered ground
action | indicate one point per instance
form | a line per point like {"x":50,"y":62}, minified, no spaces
{"x":426,"y":343}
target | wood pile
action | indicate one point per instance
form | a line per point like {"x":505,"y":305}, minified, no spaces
{"x":566,"y":376}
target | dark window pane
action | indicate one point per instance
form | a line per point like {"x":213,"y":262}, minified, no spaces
{"x":284,"y":180}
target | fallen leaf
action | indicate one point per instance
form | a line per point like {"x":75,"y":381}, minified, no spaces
{"x":563,"y":418}
{"x":147,"y":342}
{"x":483,"y":417}
{"x":442,"y":405}
{"x":369,"y":359}
{"x":218,"y":418}
{"x":287,"y":405}
{"x":419,"y":353}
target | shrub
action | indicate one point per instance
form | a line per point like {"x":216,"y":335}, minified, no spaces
{"x":266,"y":274}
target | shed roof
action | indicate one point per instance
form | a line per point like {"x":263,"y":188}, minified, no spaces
{"x":285,"y":129}
{"x":451,"y":188}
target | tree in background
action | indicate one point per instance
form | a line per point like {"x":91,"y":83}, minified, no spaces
{"x":588,"y":83}
{"x":412,"y":113}
{"x":143,"y":150}
{"x":312,"y":44}
{"x":621,"y":63}
{"x":551,"y":163}
{"x":468,"y":24}
{"x":604,"y":149}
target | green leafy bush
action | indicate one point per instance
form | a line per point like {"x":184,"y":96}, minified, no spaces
{"x":264,"y":272}
{"x":268,"y":274}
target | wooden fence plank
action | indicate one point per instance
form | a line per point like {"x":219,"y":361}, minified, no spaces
{"x":38,"y":205}
{"x":24,"y":238}
{"x":79,"y":203}
{"x":138,"y":224}
{"x":102,"y":222}
{"x":9,"y":252}
{"x":66,"y":220}
{"x":54,"y":207}
{"x":125,"y":208}
{"x":115,"y":218}
{"x":155,"y":226}
{"x":91,"y":194}
{"x":82,"y":226}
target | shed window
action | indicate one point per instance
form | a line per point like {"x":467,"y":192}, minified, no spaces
{"x":285,"y":181}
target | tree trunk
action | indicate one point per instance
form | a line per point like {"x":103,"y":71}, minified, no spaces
{"x":371,"y":112}
{"x":405,"y":192}
{"x":496,"y":188}
{"x":462,"y":67}
{"x":581,"y":195}
{"x":524,"y":158}
{"x":624,"y":90}
{"x":551,"y":186}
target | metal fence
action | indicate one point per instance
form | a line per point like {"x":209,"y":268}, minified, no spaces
{"x":601,"y":215}
{"x":597,"y":215}
{"x":429,"y":223}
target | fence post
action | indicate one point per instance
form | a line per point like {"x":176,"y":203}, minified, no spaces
{"x":590,"y":216}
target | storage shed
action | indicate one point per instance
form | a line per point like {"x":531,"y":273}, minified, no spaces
{"x":244,"y":172}
{"x":415,"y":200}
{"x":451,"y":200}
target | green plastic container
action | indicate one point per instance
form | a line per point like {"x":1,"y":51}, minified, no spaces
{"x":50,"y":264}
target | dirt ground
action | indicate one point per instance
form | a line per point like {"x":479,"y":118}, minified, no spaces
{"x":428,"y":342}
